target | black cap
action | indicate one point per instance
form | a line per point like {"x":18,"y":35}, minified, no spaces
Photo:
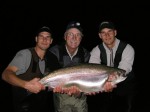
{"x":44,"y":29}
{"x":74,"y":24}
{"x":106,"y":24}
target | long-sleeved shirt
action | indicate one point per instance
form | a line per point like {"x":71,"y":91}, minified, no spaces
{"x":127,"y":59}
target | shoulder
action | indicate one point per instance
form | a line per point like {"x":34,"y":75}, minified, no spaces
{"x":129,"y":48}
{"x":95,"y":48}
{"x":127,"y":44}
{"x":85,"y":50}
{"x":24,"y":52}
{"x":54,"y":49}
{"x":22,"y":59}
{"x":50,"y":55}
{"x":52,"y":61}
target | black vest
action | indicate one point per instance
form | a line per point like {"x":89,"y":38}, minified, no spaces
{"x":127,"y":86}
{"x":22,"y":99}
{"x":33,"y":71}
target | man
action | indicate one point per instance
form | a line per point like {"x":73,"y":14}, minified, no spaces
{"x":25,"y":71}
{"x":116,"y":53}
{"x":69,"y":54}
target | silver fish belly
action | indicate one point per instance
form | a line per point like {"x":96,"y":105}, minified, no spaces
{"x":87,"y":77}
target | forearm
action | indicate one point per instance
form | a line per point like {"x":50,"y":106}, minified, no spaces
{"x":11,"y":78}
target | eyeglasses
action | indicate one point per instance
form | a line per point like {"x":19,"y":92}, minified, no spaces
{"x":71,"y":35}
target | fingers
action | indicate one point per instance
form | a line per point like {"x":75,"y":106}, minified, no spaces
{"x":58,"y":89}
{"x":108,"y":87}
{"x":34,"y":86}
{"x":73,"y":90}
{"x":92,"y":93}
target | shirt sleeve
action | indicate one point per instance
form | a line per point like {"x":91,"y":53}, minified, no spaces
{"x":127,"y":59}
{"x":95,"y":56}
{"x":21,"y":60}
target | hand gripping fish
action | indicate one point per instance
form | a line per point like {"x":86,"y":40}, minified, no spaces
{"x":87,"y":77}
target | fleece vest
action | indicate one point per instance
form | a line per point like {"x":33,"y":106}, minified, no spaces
{"x":63,"y":56}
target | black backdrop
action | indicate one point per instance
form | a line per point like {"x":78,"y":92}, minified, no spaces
{"x":20,"y":21}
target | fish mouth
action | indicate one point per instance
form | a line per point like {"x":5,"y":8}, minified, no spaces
{"x":122,"y":73}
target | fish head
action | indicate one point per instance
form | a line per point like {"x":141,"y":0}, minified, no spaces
{"x":119,"y":76}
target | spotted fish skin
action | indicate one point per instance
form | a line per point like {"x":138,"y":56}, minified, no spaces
{"x":87,"y":77}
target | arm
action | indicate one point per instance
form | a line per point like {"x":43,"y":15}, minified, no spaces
{"x":127,"y":60}
{"x":126,"y":64}
{"x":9,"y":76}
{"x":33,"y":85}
{"x":16,"y":67}
{"x":95,"y":56}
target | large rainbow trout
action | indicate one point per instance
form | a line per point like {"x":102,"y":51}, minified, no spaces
{"x":87,"y":77}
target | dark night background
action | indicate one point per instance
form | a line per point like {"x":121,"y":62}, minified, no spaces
{"x":20,"y":21}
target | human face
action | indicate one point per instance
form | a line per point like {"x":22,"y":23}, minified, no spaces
{"x":73,"y":38}
{"x":108,"y":36}
{"x":44,"y":40}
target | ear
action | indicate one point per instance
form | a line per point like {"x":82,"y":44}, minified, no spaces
{"x":36,"y":39}
{"x":115,"y":32}
{"x":65,"y":37}
{"x":99,"y":34}
{"x":51,"y":40}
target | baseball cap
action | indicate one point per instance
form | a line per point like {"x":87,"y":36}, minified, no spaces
{"x":74,"y":24}
{"x":44,"y":29}
{"x":106,"y":24}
